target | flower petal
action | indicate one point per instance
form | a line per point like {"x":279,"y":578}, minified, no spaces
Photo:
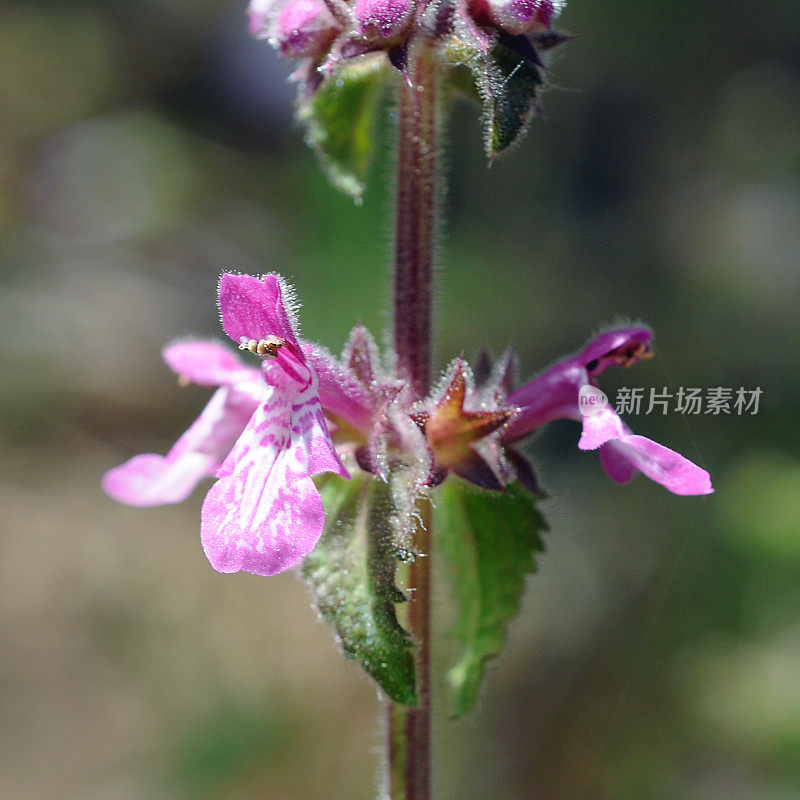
{"x":150,"y":479}
{"x":208,"y":364}
{"x":599,"y":427}
{"x":340,"y":392}
{"x":253,"y":308}
{"x":260,"y":12}
{"x":265,"y":514}
{"x":616,"y":464}
{"x":659,"y":463}
{"x":623,"y":454}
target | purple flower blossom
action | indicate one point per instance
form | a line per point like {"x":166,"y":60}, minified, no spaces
{"x":298,"y":28}
{"x":554,"y":395}
{"x":263,"y":435}
{"x":471,"y":423}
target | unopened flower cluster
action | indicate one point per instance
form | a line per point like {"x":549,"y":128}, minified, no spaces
{"x":324,"y":33}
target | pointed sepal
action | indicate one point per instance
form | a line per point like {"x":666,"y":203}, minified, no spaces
{"x":451,"y":428}
{"x":361,"y":357}
{"x":488,"y":540}
{"x":351,"y":573}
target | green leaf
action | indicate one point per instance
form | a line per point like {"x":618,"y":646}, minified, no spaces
{"x":513,"y":80}
{"x":505,"y":75}
{"x":459,"y":80}
{"x":489,"y":540}
{"x":351,"y":572}
{"x":340,"y":119}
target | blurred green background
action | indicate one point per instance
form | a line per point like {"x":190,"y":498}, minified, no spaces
{"x":146,"y":146}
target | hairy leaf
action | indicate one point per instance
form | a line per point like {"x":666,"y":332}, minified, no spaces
{"x":340,"y":118}
{"x":351,"y":572}
{"x":513,"y":78}
{"x":504,"y":74}
{"x":466,"y":54}
{"x":489,"y":540}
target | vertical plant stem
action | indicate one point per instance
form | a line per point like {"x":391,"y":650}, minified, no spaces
{"x":408,"y":760}
{"x":409,"y":740}
{"x":414,"y":220}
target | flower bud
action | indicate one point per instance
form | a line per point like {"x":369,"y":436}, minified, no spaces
{"x":383,"y":20}
{"x":518,"y":16}
{"x":304,"y":28}
{"x":259,"y":13}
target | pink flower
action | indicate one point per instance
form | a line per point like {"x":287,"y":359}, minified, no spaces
{"x":149,"y":479}
{"x":554,"y":395}
{"x":262,"y":434}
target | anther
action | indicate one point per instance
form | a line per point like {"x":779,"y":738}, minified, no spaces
{"x":268,"y":348}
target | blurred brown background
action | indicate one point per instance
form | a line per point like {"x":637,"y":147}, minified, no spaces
{"x":146,"y":146}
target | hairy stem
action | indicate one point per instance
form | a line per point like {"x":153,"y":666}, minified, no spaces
{"x":409,"y":729}
{"x":414,"y":221}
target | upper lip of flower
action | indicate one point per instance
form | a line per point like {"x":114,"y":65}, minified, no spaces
{"x":553,"y":394}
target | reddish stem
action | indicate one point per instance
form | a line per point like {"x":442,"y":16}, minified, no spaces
{"x":414,"y":220}
{"x":409,"y":741}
